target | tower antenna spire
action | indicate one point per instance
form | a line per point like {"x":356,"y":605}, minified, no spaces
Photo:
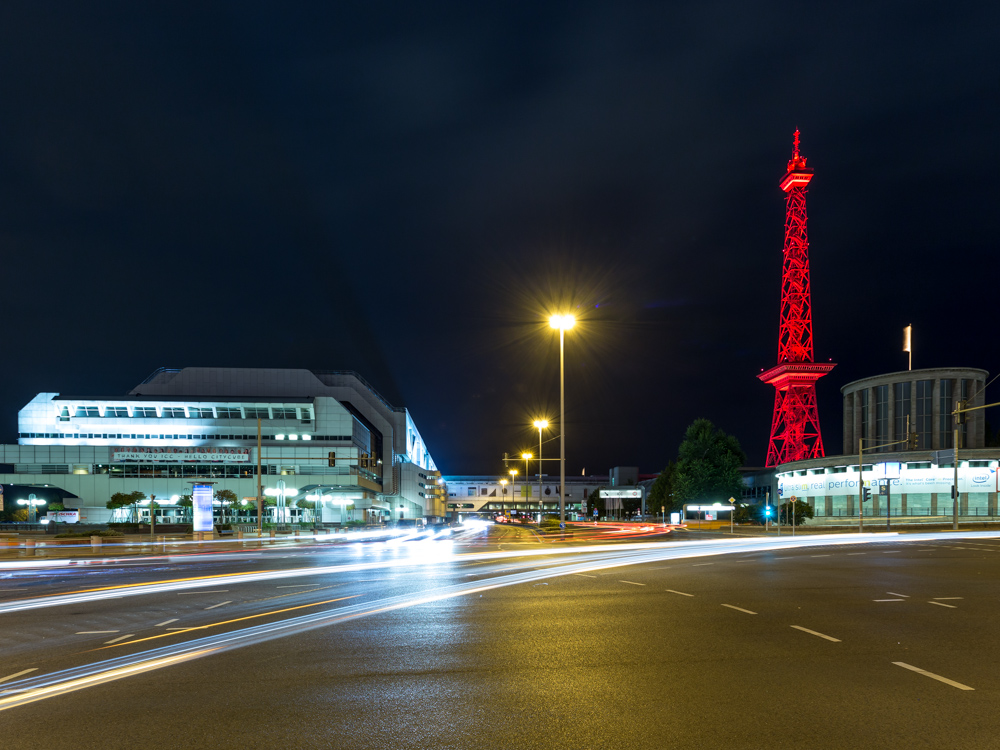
{"x":795,"y":433}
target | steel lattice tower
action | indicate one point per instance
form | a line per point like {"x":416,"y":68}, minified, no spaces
{"x":795,"y":433}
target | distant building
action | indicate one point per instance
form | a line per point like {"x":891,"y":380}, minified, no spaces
{"x":325,"y":434}
{"x":486,"y":494}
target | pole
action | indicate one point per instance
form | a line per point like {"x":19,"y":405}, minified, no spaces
{"x":539,"y":475}
{"x":888,"y":504}
{"x":527,"y":483}
{"x":794,"y":503}
{"x":954,"y":522}
{"x":861,"y":486}
{"x":562,"y":427}
{"x":260,"y":494}
{"x":152,"y":516}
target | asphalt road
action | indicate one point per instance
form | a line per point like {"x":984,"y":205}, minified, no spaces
{"x":512,"y":644}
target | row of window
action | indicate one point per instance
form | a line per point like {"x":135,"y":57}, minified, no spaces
{"x":921,"y":422}
{"x":122,"y":436}
{"x":190,"y":412}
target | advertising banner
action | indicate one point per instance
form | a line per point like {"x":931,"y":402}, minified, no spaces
{"x":63,"y":516}
{"x":187,"y":454}
{"x":970,"y":479}
{"x":201,"y":502}
{"x":621,"y":493}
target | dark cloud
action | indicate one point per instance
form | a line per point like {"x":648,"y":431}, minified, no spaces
{"x":407,"y":190}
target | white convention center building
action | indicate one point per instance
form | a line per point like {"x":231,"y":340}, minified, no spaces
{"x":324,"y":435}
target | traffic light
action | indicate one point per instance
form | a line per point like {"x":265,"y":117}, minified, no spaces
{"x":767,"y":511}
{"x":912,"y":440}
{"x":331,"y":459}
{"x":866,"y":494}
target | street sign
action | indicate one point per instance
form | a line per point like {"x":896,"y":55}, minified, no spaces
{"x":595,"y":512}
{"x":883,"y":489}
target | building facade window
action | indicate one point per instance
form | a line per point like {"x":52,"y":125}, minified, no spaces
{"x":256,"y":413}
{"x":945,"y":418}
{"x":170,"y":412}
{"x":864,"y":413}
{"x":280,"y":413}
{"x":201,"y":413}
{"x":903,"y":421}
{"x":229,"y":412}
{"x":882,"y":418}
{"x":924,"y":421}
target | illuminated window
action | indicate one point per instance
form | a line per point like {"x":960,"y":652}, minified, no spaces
{"x":280,"y":413}
{"x":144,"y":411}
{"x":111,"y":412}
{"x":87,"y":411}
{"x":201,"y":413}
{"x":256,"y":413}
{"x":229,"y":412}
{"x":173,"y":413}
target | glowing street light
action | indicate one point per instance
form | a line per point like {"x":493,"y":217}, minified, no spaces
{"x":32,"y":502}
{"x":513,"y":479}
{"x":541,"y":424}
{"x":563,"y":323}
{"x":503,"y":493}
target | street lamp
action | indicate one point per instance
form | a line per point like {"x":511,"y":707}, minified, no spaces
{"x":32,"y":502}
{"x":563,"y":323}
{"x":527,"y":474}
{"x":503,"y":494}
{"x":513,"y":479}
{"x":541,"y":424}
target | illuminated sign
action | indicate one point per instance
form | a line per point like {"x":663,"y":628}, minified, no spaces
{"x":714,"y":508}
{"x":201,"y":502}
{"x":195,"y":455}
{"x":621,"y":493}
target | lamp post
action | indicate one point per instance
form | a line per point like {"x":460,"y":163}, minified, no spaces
{"x":527,"y":474}
{"x":32,"y":502}
{"x":541,"y":424}
{"x":513,"y":480}
{"x":563,"y":323}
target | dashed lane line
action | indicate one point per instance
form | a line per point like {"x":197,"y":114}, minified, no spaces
{"x":946,"y":598}
{"x":888,"y":600}
{"x":96,"y":632}
{"x":18,"y":674}
{"x":942,"y":604}
{"x":633,"y":583}
{"x":120,"y":638}
{"x":192,"y":593}
{"x":584,"y":575}
{"x":698,"y":565}
{"x":739,"y":609}
{"x":818,"y":635}
{"x":905,"y":596}
{"x":165,"y":622}
{"x":933,"y":676}
{"x":219,"y":604}
{"x":671,"y":591}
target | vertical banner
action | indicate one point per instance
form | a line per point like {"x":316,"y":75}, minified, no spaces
{"x":201,"y":501}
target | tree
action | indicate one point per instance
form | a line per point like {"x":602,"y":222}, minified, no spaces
{"x":661,"y":494}
{"x":802,"y":511}
{"x":228,"y":500}
{"x":596,"y":501}
{"x":126,"y":499}
{"x":708,"y":465}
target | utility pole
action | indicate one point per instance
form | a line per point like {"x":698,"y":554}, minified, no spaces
{"x":260,"y":494}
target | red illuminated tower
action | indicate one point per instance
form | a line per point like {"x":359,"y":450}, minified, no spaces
{"x":795,"y":433}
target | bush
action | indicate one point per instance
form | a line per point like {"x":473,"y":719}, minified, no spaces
{"x":87,"y":534}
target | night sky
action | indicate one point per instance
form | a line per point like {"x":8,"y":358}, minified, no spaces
{"x":408,"y":190}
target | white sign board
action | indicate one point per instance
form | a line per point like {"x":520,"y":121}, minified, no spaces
{"x":186,"y":454}
{"x":621,"y":493}
{"x":63,"y":516}
{"x":201,"y":502}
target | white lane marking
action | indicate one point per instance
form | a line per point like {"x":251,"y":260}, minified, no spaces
{"x":933,"y":676}
{"x":739,"y":609}
{"x":585,"y":575}
{"x":96,"y":632}
{"x":946,"y":598}
{"x":179,"y":628}
{"x":120,"y":638}
{"x":165,"y":622}
{"x":671,"y":591}
{"x":306,"y":585}
{"x":18,"y":674}
{"x":698,"y":565}
{"x":888,"y":600}
{"x":942,"y":604}
{"x":192,"y":593}
{"x":219,"y":604}
{"x":856,"y":553}
{"x":633,"y":583}
{"x":892,"y":552}
{"x":813,"y":632}
{"x":905,"y":596}
{"x":819,"y":555}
